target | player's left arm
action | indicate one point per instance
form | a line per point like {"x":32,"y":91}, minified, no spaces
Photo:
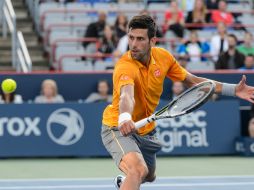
{"x":192,"y":80}
{"x":241,"y":90}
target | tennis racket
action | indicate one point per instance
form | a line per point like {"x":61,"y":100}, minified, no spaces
{"x":189,"y":100}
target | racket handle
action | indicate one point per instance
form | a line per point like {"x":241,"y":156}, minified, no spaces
{"x":143,"y":122}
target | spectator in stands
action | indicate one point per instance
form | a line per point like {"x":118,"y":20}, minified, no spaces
{"x":219,"y":43}
{"x":186,"y":5}
{"x":212,"y":4}
{"x":7,"y":98}
{"x":46,"y":1}
{"x":222,"y":15}
{"x":197,"y":16}
{"x":214,"y":97}
{"x":251,"y":122}
{"x":232,"y":58}
{"x":108,"y":41}
{"x":126,"y":1}
{"x":247,"y":47}
{"x":95,"y":29}
{"x":65,"y":1}
{"x":248,"y":63}
{"x":102,"y":94}
{"x":251,"y":127}
{"x":58,"y":1}
{"x":193,"y":49}
{"x":174,"y":20}
{"x":122,"y":47}
{"x":182,"y":61}
{"x":177,"y":89}
{"x":49,"y":93}
{"x":120,"y":27}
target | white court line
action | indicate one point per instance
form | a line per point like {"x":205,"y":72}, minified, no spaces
{"x":110,"y":178}
{"x":57,"y":179}
{"x":110,"y":186}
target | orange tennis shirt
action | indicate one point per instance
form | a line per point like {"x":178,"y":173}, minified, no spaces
{"x":148,"y":85}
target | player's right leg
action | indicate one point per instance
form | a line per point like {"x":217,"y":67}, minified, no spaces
{"x":134,"y":166}
{"x":127,"y":156}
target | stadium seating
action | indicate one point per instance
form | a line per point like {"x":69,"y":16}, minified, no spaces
{"x":70,"y":20}
{"x":101,"y":65}
{"x":76,"y":65}
{"x":200,"y":66}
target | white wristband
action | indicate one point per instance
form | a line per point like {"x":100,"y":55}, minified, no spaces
{"x":228,"y":89}
{"x":124,"y":117}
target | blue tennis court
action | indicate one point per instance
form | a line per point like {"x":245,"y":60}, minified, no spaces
{"x":165,"y":183}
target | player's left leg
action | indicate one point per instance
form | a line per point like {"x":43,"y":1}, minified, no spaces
{"x":149,"y":146}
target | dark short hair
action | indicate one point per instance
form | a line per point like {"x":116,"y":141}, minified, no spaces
{"x":247,"y":32}
{"x":144,"y":22}
{"x":223,"y":1}
{"x":103,"y":80}
{"x":250,"y":55}
{"x":233,"y":36}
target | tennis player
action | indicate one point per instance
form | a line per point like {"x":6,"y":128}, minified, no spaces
{"x":137,"y":86}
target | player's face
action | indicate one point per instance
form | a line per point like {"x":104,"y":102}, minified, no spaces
{"x":139,"y":44}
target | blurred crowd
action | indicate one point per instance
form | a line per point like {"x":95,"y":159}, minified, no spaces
{"x":185,"y":25}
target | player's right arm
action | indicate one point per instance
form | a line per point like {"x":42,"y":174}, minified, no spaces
{"x":126,"y":105}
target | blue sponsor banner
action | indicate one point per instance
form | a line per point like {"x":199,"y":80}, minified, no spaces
{"x":245,"y":146}
{"x":55,"y":130}
{"x":210,"y":130}
{"x":51,"y":130}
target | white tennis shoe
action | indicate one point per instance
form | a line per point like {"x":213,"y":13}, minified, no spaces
{"x":118,"y":181}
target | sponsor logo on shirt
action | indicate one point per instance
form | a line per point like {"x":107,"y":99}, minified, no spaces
{"x":124,"y":77}
{"x":157,"y":73}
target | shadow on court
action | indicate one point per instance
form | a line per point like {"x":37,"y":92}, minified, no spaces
{"x":167,"y":183}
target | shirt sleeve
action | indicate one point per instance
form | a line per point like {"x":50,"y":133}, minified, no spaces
{"x":123,"y":75}
{"x":176,"y":72}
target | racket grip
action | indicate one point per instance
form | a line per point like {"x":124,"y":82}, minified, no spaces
{"x":143,"y":122}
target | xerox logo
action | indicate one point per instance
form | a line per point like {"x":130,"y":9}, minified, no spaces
{"x":16,"y":126}
{"x":65,"y":126}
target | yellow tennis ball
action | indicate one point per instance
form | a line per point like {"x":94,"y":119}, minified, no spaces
{"x":9,"y":85}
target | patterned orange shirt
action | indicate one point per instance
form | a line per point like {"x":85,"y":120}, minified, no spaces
{"x":148,"y":85}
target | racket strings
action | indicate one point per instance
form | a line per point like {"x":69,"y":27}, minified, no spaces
{"x":189,"y":100}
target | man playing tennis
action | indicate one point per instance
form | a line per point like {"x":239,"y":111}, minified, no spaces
{"x":137,"y":86}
